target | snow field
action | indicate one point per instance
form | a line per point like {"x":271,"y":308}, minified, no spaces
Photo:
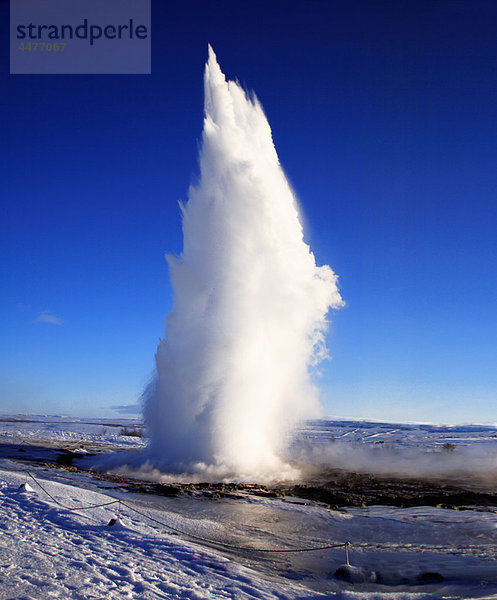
{"x":50,"y":552}
{"x":47,"y":552}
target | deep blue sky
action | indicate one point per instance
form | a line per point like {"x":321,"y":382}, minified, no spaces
{"x":384,"y":115}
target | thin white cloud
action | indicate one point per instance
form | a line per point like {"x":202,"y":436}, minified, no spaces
{"x":46,"y":317}
{"x":131,"y":409}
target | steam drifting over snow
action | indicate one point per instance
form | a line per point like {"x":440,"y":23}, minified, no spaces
{"x":250,"y":305}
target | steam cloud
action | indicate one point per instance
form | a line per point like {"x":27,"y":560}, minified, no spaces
{"x":249,"y":315}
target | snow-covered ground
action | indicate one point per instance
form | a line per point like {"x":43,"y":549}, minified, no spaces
{"x":50,"y":551}
{"x":69,"y":432}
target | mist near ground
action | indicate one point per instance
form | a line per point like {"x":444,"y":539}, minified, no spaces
{"x":462,"y":455}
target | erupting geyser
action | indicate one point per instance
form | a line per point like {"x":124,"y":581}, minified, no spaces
{"x":250,"y":304}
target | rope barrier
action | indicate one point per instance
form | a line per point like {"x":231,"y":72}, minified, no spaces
{"x":209,"y":541}
{"x":234,"y":546}
{"x":89,"y":507}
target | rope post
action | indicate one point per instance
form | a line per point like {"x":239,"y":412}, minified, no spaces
{"x":347,"y":545}
{"x":25,"y":486}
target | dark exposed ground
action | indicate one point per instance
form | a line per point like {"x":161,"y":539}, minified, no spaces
{"x":339,"y":489}
{"x":335,"y":488}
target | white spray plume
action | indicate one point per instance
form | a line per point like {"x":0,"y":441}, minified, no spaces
{"x":249,"y":314}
